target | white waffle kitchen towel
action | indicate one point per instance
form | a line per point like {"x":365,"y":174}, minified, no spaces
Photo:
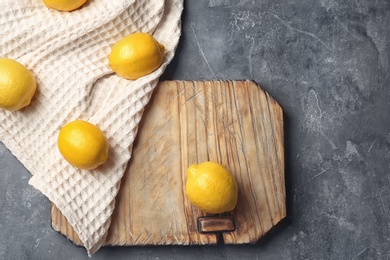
{"x":67,"y":52}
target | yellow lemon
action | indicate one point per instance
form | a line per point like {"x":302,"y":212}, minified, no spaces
{"x":64,"y":5}
{"x":136,"y":55}
{"x":211,"y":187}
{"x":83,"y":145}
{"x":17,"y":85}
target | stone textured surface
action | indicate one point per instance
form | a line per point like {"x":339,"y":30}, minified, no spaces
{"x":327,"y":63}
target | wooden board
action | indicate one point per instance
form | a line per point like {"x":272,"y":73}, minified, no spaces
{"x":234,"y":123}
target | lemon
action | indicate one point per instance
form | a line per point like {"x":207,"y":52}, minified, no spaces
{"x":136,"y":55}
{"x":211,"y":187}
{"x":64,"y":5}
{"x":17,"y":85}
{"x":83,"y":145}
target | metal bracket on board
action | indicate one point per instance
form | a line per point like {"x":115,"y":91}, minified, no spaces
{"x":211,"y":224}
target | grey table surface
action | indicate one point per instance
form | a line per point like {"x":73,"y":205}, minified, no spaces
{"x":327,"y":62}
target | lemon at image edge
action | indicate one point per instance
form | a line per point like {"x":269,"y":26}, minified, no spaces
{"x":211,"y":187}
{"x":64,"y":5}
{"x":17,"y":85}
{"x":83,"y":145}
{"x":136,"y":55}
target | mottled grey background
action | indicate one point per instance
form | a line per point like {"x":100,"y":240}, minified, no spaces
{"x":327,"y":63}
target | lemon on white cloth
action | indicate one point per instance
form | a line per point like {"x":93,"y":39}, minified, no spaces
{"x":17,"y":85}
{"x":83,"y":145}
{"x":64,"y":5}
{"x":136,"y":55}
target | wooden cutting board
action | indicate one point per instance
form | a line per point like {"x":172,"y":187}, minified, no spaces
{"x":235,"y":123}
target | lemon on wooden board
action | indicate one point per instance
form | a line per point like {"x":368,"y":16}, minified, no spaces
{"x":211,"y":187}
{"x":83,"y":145}
{"x":17,"y":85}
{"x":64,"y":5}
{"x":136,"y":55}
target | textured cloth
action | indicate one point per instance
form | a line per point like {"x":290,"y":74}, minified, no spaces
{"x":67,"y":52}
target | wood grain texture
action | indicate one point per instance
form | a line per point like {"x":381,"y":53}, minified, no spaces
{"x":234,"y":123}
